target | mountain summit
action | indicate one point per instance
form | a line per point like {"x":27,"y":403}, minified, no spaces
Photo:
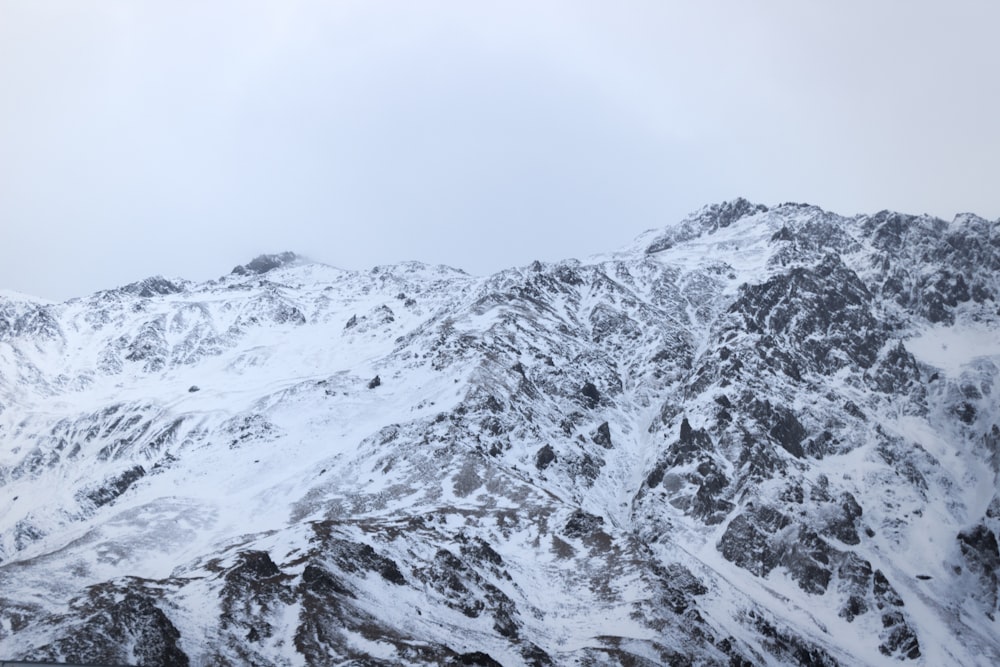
{"x":761,"y":436}
{"x":265,"y":263}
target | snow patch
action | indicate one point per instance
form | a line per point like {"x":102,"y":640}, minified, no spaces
{"x":951,"y":348}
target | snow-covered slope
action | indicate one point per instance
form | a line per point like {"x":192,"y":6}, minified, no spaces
{"x":760,"y":436}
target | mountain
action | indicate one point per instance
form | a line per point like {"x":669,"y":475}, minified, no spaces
{"x":761,"y":436}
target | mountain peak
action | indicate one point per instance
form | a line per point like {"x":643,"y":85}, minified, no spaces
{"x":726,"y":213}
{"x":706,"y":219}
{"x":152,"y":286}
{"x":264,"y":263}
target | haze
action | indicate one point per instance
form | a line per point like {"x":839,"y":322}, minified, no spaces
{"x":182,"y":138}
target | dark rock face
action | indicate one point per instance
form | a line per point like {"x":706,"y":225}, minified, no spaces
{"x":726,"y":213}
{"x":152,"y":287}
{"x":115,"y":486}
{"x":354,"y":557}
{"x":691,"y":444}
{"x":708,"y":503}
{"x":119,"y":626}
{"x":843,"y":522}
{"x":591,"y":394}
{"x":898,"y":637}
{"x":254,"y":591}
{"x":761,"y":539}
{"x":823,"y":313}
{"x":855,"y":575}
{"x":264,"y":263}
{"x":150,"y":347}
{"x":982,"y":558}
{"x":897,"y":373}
{"x":466,"y":590}
{"x":545,"y":456}
{"x":679,"y":586}
{"x":603,"y":436}
{"x":962,"y":255}
{"x":581,"y":524}
{"x":747,"y":541}
{"x":781,"y":425}
{"x":788,"y":647}
{"x":477,"y":658}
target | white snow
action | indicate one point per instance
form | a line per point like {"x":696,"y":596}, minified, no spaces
{"x":952,"y":348}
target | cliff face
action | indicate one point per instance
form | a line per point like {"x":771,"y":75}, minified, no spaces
{"x":760,"y":436}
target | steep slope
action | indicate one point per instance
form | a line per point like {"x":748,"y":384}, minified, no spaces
{"x":761,"y":436}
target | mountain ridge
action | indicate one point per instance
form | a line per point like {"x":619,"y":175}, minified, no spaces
{"x":714,"y":446}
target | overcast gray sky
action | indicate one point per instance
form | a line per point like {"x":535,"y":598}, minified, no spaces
{"x":183,"y":137}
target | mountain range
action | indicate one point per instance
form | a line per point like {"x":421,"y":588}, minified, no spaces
{"x":760,"y":436}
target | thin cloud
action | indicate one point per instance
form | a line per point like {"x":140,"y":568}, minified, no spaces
{"x":182,"y":138}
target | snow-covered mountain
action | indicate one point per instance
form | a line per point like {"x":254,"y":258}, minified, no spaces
{"x":757,"y":437}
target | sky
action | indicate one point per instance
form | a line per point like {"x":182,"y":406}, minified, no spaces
{"x":181,"y":138}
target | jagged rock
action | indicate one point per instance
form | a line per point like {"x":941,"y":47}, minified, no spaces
{"x":476,"y":658}
{"x":581,"y":524}
{"x":466,"y":590}
{"x":897,"y":637}
{"x":602,"y":436}
{"x":680,"y":587}
{"x":747,"y":541}
{"x":248,"y":429}
{"x":788,"y":647}
{"x":591,"y":394}
{"x":264,"y":263}
{"x":254,"y":592}
{"x":117,"y":627}
{"x":115,"y":486}
{"x":150,"y":347}
{"x":708,"y":503}
{"x":781,"y":425}
{"x":842,"y":522}
{"x":690,"y":445}
{"x":824,"y":311}
{"x":709,"y":219}
{"x":354,"y":557}
{"x":545,"y":456}
{"x":321,"y":583}
{"x":982,"y":558}
{"x":885,"y":594}
{"x":150,"y":287}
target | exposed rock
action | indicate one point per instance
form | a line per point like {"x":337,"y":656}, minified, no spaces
{"x":591,"y":394}
{"x":602,"y":436}
{"x":115,"y":486}
{"x":151,"y":287}
{"x":264,"y":263}
{"x":117,"y":626}
{"x":545,"y":456}
{"x":982,"y":558}
{"x":581,"y":524}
